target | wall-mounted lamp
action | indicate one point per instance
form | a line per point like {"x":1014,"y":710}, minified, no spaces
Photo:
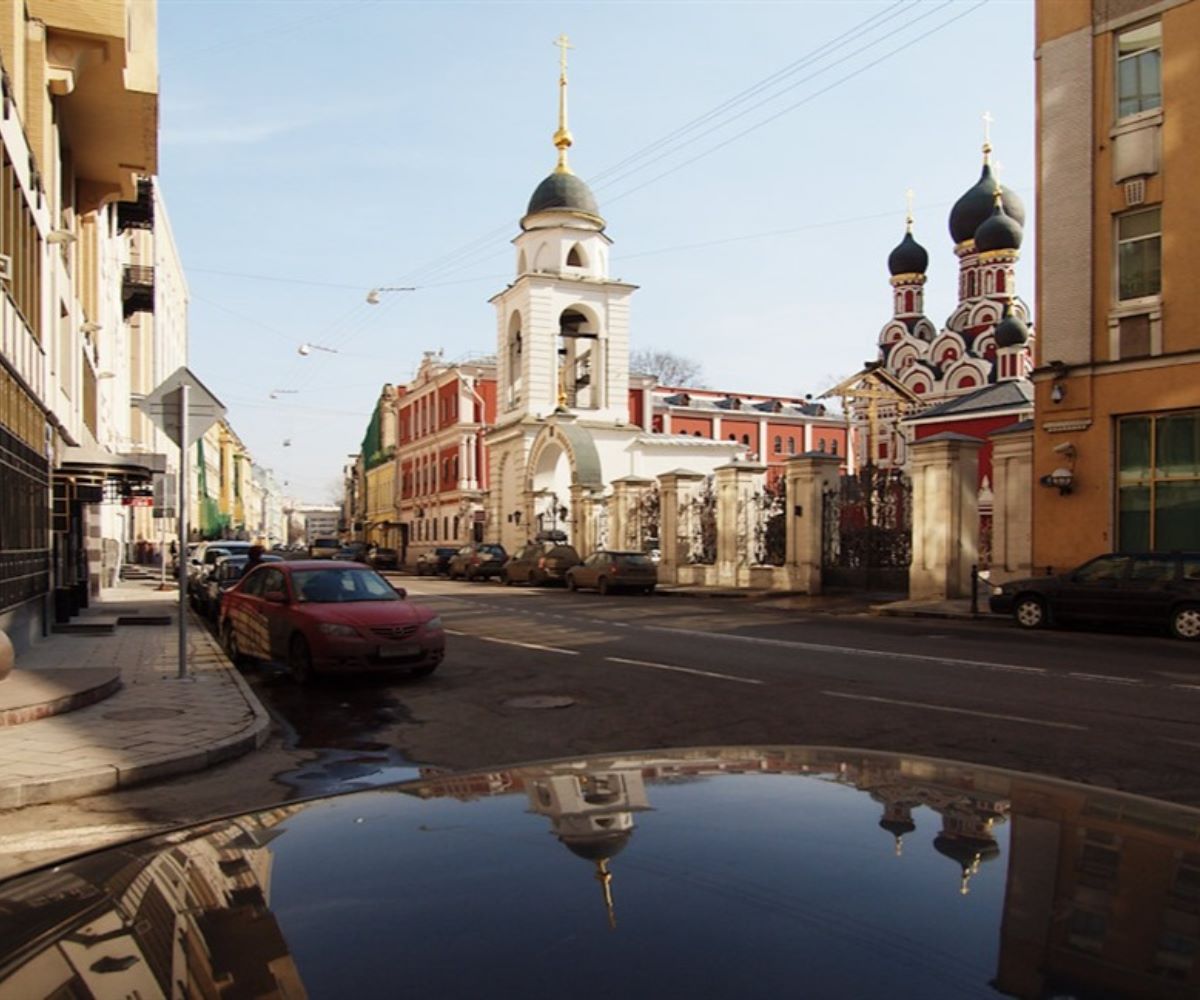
{"x":1058,"y":392}
{"x":1061,"y":479}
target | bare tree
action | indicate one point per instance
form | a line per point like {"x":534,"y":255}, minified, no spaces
{"x":670,"y":369}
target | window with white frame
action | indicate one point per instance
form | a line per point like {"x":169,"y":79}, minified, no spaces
{"x":1139,"y":254}
{"x":1139,"y":69}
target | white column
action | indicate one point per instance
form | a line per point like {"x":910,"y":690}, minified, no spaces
{"x":762,"y":439}
{"x":463,"y":472}
{"x":808,"y":436}
{"x":716,"y":425}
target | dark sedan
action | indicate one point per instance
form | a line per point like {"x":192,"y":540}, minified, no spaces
{"x":436,"y":562}
{"x":540,"y":563}
{"x":607,"y":571}
{"x":1141,"y":589}
{"x":477,"y":562}
{"x":383,"y":559}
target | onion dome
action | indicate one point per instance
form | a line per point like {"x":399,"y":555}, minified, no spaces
{"x":974,"y":207}
{"x":597,"y":847}
{"x":1011,"y":331}
{"x":898,"y":827}
{"x":909,"y":257}
{"x":563,"y":192}
{"x":999,"y":231}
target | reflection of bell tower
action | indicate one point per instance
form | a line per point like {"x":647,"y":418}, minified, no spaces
{"x":966,"y":836}
{"x":563,"y":324}
{"x":592,"y":816}
{"x":897,"y":820}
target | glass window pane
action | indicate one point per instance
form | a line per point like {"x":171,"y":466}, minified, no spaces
{"x":1134,"y":444}
{"x":1104,"y":568}
{"x":1178,"y":445}
{"x":1140,"y":269}
{"x":1133,"y":518}
{"x":1177,"y":516}
{"x":1140,"y":224}
{"x":1152,"y":569}
{"x":1149,"y":80}
{"x":1127,"y":79}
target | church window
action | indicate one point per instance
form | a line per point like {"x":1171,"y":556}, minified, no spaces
{"x":919,"y":389}
{"x":833,"y":447}
{"x":745,"y":439}
{"x":971,"y":285}
{"x":989,"y":281}
{"x":778,"y":445}
{"x":791,"y":445}
{"x":908,"y":301}
{"x":1001,"y":281}
{"x":575,"y":257}
{"x":966,"y":382}
{"x":455,"y":535}
{"x":732,"y":437}
{"x":820,"y":444}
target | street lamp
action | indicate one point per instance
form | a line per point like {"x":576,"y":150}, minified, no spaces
{"x":375,"y":294}
{"x":276,"y":393}
{"x":304,"y":350}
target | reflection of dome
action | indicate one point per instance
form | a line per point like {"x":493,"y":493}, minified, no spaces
{"x":968,"y":852}
{"x":564,"y":192}
{"x":973,"y":208}
{"x":908,"y":258}
{"x":898,"y":827}
{"x":597,"y":847}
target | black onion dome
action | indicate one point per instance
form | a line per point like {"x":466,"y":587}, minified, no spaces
{"x":563,"y":192}
{"x":597,"y":848}
{"x":1011,"y":331}
{"x":898,"y":827}
{"x":908,"y":258}
{"x":973,"y":208}
{"x":999,"y":231}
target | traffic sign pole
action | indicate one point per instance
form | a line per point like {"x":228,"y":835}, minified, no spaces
{"x":184,"y":475}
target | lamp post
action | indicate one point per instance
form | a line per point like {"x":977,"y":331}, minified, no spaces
{"x":375,"y":294}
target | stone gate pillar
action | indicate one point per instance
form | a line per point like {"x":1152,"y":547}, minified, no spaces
{"x":585,"y":510}
{"x":622,"y":511}
{"x":673,"y":488}
{"x":735,"y":483}
{"x":945,"y":540}
{"x":1012,"y":509}
{"x":808,"y":476}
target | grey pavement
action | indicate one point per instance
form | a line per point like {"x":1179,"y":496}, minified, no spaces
{"x":153,"y":726}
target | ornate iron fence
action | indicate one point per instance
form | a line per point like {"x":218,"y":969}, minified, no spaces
{"x":698,"y":525}
{"x":768,"y":509}
{"x":867,"y":531}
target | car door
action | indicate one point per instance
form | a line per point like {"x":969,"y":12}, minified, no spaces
{"x":245,"y":617}
{"x":589,"y":572}
{"x":276,"y":609}
{"x":1094,"y":591}
{"x":1151,"y":588}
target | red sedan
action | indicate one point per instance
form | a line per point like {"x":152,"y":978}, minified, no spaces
{"x":319,"y":616}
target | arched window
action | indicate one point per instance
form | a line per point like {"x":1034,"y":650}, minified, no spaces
{"x":778,"y":445}
{"x":455,"y":535}
{"x":1001,"y":281}
{"x":696,"y":434}
{"x":791,"y":445}
{"x":908,"y":301}
{"x":820,"y":444}
{"x":732,"y":437}
{"x":745,"y":439}
{"x":833,"y":447}
{"x":971,"y":285}
{"x":575,"y":257}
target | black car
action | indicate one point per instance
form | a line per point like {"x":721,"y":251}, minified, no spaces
{"x":436,"y":562}
{"x":540,"y":562}
{"x":352,"y":553}
{"x":477,"y":561}
{"x":722,"y":872}
{"x":383,"y":559}
{"x":1142,"y":588}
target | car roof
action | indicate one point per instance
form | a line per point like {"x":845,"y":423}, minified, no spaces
{"x":294,"y":564}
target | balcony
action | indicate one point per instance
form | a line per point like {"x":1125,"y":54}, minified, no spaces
{"x":137,"y":289}
{"x":138,"y":214}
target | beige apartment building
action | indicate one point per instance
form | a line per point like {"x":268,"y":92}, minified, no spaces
{"x":1117,"y":437}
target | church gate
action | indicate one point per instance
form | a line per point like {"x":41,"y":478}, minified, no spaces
{"x":866,"y":536}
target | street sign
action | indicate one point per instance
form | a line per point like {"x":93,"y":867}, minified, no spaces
{"x":137,"y":502}
{"x":162,"y":406}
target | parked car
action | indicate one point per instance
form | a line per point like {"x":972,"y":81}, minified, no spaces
{"x":608,"y":571}
{"x":477,"y":561}
{"x":202,"y":561}
{"x":540,"y":562}
{"x":324,"y":548}
{"x":320,"y":616}
{"x":436,"y":562}
{"x":224,"y":575}
{"x":1144,"y":588}
{"x":356,"y":552}
{"x":383,"y":559}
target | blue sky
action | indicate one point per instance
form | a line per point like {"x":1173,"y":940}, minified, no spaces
{"x":342,"y":146}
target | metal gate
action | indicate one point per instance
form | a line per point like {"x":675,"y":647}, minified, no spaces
{"x":866,"y":537}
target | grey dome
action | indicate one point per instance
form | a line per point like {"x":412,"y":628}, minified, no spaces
{"x":1011,"y":331}
{"x":973,"y":208}
{"x":908,"y":258}
{"x":999,"y":231}
{"x":563,"y":192}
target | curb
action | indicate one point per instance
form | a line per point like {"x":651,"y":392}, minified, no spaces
{"x":113,"y":777}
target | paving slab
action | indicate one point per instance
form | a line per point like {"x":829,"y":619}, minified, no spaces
{"x":154,"y":726}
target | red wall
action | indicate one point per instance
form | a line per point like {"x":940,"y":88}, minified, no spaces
{"x":690,"y":425}
{"x":979,"y":427}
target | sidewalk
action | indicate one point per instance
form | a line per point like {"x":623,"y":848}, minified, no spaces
{"x":154,"y":725}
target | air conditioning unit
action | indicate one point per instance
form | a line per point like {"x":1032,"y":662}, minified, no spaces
{"x":5,"y":267}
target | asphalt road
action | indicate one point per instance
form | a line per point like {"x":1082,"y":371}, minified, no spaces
{"x":537,"y":673}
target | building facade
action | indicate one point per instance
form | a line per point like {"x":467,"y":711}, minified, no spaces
{"x":1118,"y":377}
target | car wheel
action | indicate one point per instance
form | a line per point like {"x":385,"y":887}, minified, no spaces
{"x":603,"y":585}
{"x":1030,"y":611}
{"x":1185,"y":622}
{"x":300,"y":660}
{"x":229,"y":643}
{"x":508,"y":580}
{"x":572,"y":586}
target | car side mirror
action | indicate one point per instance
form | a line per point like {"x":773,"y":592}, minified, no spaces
{"x":400,"y":592}
{"x":275,"y":597}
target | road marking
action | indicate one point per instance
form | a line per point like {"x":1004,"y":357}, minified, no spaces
{"x":955,"y":711}
{"x":1104,"y":678}
{"x":816,"y":647}
{"x":528,"y":645}
{"x":683,"y":670}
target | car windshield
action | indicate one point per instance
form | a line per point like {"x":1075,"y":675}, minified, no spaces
{"x":326,"y":543}
{"x":340,"y":586}
{"x":635,"y":560}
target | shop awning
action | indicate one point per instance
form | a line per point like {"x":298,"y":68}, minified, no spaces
{"x":88,"y":463}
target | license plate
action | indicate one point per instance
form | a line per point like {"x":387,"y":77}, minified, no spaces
{"x":402,"y":651}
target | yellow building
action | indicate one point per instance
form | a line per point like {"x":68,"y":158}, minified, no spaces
{"x":1117,"y":441}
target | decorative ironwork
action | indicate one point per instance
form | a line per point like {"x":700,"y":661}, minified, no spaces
{"x":985,"y":541}
{"x":24,"y":521}
{"x":867,"y":530}
{"x":698,"y":525}
{"x":769,"y":511}
{"x":641,"y":528}
{"x":602,"y":525}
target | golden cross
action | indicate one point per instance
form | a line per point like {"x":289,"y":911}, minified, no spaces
{"x":987,"y":127}
{"x":563,"y":44}
{"x":908,"y":199}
